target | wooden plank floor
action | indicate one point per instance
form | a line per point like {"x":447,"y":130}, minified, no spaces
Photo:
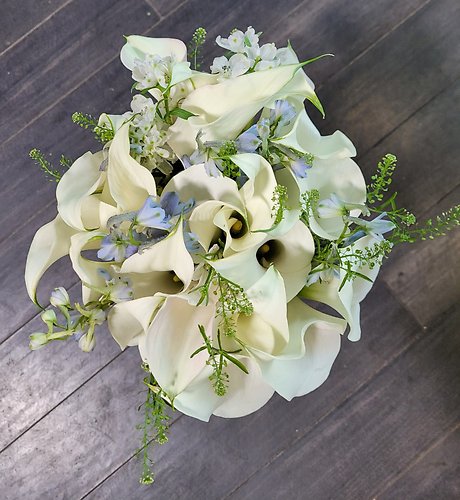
{"x":386,"y":423}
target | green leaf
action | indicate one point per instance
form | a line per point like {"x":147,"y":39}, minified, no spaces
{"x":236,"y":362}
{"x":202,"y":348}
{"x":181,"y":113}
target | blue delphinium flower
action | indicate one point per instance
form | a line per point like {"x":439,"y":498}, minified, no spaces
{"x":375,"y":227}
{"x":172,"y":205}
{"x":299,"y":167}
{"x":281,"y":115}
{"x":248,"y":141}
{"x":153,"y":215}
{"x":116,"y":246}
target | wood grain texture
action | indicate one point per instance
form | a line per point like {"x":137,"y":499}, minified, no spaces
{"x":18,"y":21}
{"x":385,"y":86}
{"x":436,"y":474}
{"x":64,"y":55}
{"x":383,"y":422}
{"x":375,"y":434}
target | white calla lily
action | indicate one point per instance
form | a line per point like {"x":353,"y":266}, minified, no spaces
{"x":195,"y":183}
{"x":164,"y":267}
{"x":340,"y":177}
{"x":95,"y":212}
{"x":172,"y":338}
{"x":82,"y":179}
{"x":87,"y":269}
{"x":347,"y":300}
{"x":129,"y":320}
{"x":246,"y":393}
{"x":50,"y":243}
{"x":129,"y":182}
{"x":305,"y":137}
{"x":266,"y":329}
{"x":305,"y":363}
{"x":222,"y":110}
{"x":290,"y":253}
{"x":137,"y":47}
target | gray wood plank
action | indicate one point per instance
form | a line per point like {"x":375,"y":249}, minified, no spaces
{"x":81,"y":38}
{"x":389,"y":83}
{"x":372,"y":437}
{"x":224,"y":453}
{"x":436,"y":474}
{"x":345,"y":29}
{"x":164,"y":7}
{"x":81,"y":440}
{"x":17,"y":22}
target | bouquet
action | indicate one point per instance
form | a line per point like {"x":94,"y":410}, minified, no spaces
{"x":214,"y":227}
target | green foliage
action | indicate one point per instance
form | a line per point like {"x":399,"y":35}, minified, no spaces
{"x":45,"y":165}
{"x":65,"y":162}
{"x":309,"y":203}
{"x":102,"y":133}
{"x":431,"y":229}
{"x":229,"y":169}
{"x":154,"y":426}
{"x":279,"y":199}
{"x":218,"y":360}
{"x":195,"y":46}
{"x":381,"y":180}
{"x":232,"y":300}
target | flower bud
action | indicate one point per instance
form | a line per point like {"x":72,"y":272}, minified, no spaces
{"x":87,"y":342}
{"x":49,"y":317}
{"x":60,"y":297}
{"x":37,"y":340}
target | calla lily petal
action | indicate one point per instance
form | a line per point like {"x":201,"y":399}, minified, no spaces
{"x":305,"y":137}
{"x":82,"y":179}
{"x":129,"y":182}
{"x":341,"y":177}
{"x":346,"y":301}
{"x":313,"y":346}
{"x":266,"y":330}
{"x":170,"y":341}
{"x":50,"y":243}
{"x":166,"y":266}
{"x":129,"y":320}
{"x":88,"y":270}
{"x":223,"y":109}
{"x":246,"y":393}
{"x":137,"y":47}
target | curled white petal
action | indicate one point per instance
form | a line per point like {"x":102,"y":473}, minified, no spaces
{"x":50,"y":243}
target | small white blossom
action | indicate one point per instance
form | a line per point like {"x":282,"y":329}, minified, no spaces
{"x":237,"y":65}
{"x":60,"y":297}
{"x":234,"y":43}
{"x":335,"y":207}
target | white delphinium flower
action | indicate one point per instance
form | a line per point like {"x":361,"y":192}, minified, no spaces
{"x":267,"y":57}
{"x":148,"y":137}
{"x":155,"y":71}
{"x":335,"y":207}
{"x":237,"y":65}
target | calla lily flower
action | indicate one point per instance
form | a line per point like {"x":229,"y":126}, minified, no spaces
{"x":305,"y":363}
{"x":222,"y":110}
{"x":347,"y":299}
